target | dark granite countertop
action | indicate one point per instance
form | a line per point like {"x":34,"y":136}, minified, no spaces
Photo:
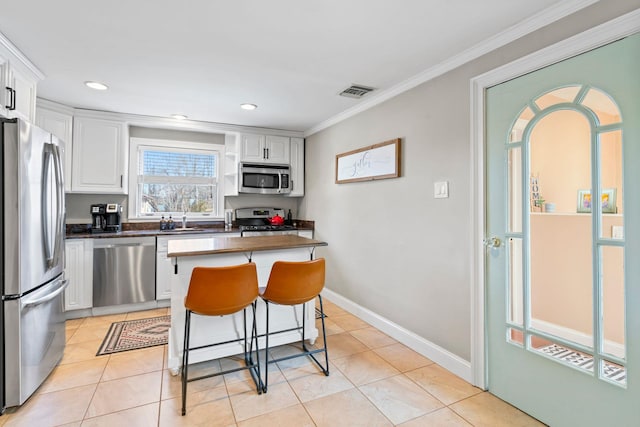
{"x":83,"y":231}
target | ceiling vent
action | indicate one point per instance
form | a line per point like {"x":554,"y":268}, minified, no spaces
{"x":356,"y":91}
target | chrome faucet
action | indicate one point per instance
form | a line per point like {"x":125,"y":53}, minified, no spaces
{"x":184,"y":220}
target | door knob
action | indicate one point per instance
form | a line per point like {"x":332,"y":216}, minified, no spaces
{"x":492,"y":242}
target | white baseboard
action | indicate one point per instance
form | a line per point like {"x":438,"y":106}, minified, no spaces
{"x":439,"y":355}
{"x":611,"y":347}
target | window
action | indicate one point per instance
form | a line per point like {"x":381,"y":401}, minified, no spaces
{"x":172,"y":177}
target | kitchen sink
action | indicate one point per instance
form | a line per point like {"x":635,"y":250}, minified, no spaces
{"x":182,"y":230}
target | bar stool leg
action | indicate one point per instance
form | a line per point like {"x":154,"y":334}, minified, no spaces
{"x":248,"y":350}
{"x":185,"y":359}
{"x":325,"y":368}
{"x":324,"y":337}
{"x":266,"y":350}
{"x":257,"y":375}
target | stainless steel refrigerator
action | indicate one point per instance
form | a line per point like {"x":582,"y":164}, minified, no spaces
{"x":32,"y":218}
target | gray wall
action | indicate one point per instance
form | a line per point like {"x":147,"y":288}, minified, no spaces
{"x":78,"y":204}
{"x":393,"y":248}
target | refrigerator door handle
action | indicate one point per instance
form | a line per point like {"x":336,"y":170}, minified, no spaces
{"x":45,"y":204}
{"x":59,"y":236}
{"x":47,"y":297}
{"x":52,"y":230}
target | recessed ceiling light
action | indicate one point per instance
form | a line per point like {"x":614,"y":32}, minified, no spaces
{"x":179,"y":116}
{"x":248,"y":106}
{"x":96,"y":85}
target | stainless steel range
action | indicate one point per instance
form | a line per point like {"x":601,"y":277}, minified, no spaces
{"x":262,"y":222}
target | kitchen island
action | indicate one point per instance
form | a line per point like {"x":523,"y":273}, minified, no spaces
{"x":225,"y":251}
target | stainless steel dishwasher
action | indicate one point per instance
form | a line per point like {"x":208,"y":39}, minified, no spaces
{"x":124,"y":270}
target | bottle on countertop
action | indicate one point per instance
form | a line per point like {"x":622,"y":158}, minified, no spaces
{"x":289,"y":220}
{"x":170,"y":223}
{"x":163,"y":223}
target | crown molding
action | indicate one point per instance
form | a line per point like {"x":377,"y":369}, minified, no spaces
{"x":23,"y":60}
{"x":164,"y":122}
{"x":535,"y":22}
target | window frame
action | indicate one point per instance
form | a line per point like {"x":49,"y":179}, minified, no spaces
{"x":135,"y":143}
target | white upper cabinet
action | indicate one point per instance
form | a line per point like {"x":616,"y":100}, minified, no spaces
{"x":5,"y":94}
{"x":264,"y":149}
{"x":297,"y":167}
{"x":18,"y":82}
{"x":59,"y":121}
{"x":278,"y":149}
{"x":100,"y":153}
{"x":24,"y":94}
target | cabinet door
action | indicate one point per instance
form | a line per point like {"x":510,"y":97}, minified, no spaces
{"x":99,"y":156}
{"x":164,"y":269}
{"x":277,"y":149}
{"x":5,"y":93}
{"x":297,"y":167}
{"x":78,"y":271}
{"x":25,"y":95}
{"x":61,"y":125}
{"x":252,"y":148}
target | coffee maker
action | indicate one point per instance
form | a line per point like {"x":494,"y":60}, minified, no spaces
{"x":105,"y":218}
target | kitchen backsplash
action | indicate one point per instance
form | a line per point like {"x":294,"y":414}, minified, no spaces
{"x":78,"y":204}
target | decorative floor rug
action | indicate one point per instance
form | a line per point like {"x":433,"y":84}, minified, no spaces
{"x":584,"y":361}
{"x":135,"y":334}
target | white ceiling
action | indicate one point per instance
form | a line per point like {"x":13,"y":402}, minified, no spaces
{"x":203,"y":58}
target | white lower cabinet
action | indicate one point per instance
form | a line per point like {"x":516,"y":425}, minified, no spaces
{"x":79,"y":272}
{"x":163,"y":270}
{"x":164,"y":266}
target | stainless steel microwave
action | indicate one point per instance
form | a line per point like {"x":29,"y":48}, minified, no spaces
{"x":264,"y":178}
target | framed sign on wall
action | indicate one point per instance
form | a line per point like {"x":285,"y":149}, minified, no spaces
{"x":378,"y":161}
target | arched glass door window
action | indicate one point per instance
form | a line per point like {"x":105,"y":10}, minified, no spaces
{"x":565,"y":252}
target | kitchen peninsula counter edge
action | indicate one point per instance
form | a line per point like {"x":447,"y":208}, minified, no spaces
{"x":218,"y":245}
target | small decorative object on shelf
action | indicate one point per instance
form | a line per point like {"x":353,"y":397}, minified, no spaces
{"x":608,"y":201}
{"x":537,"y":202}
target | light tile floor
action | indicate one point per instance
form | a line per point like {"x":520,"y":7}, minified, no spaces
{"x":374,"y":381}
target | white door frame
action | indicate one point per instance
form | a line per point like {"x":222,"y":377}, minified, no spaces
{"x":618,"y":28}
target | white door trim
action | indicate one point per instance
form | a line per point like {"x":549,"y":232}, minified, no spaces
{"x":616,"y":29}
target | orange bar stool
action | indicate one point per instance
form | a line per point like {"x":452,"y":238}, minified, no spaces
{"x":219,"y":291}
{"x":292,"y":283}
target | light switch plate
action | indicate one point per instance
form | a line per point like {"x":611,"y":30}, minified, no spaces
{"x":441,"y":190}
{"x":617,"y":232}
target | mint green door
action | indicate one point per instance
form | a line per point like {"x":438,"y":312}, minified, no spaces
{"x":563,"y":247}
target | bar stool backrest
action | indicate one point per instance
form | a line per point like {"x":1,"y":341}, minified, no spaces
{"x":216,"y":291}
{"x":292,"y":283}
